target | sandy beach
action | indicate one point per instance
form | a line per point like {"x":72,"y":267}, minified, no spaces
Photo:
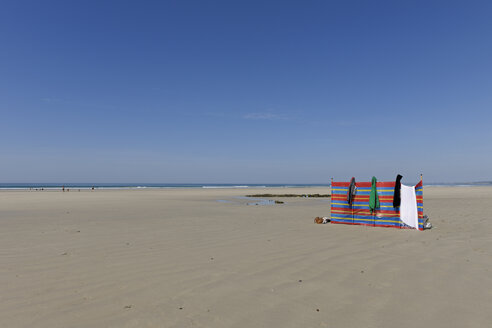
{"x":204,"y":258}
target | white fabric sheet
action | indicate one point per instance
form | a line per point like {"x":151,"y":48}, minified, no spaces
{"x":408,"y":206}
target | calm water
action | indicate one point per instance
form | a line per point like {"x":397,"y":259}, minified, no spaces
{"x":150,"y":185}
{"x":194,"y":185}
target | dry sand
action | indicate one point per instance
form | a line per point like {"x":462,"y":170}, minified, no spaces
{"x":180,"y":258}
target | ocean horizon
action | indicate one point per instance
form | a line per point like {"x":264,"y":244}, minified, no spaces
{"x":75,"y":185}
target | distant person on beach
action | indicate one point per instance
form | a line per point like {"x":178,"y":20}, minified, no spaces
{"x":63,"y":188}
{"x":92,"y":187}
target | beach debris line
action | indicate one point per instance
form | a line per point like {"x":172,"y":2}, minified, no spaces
{"x":291,"y":195}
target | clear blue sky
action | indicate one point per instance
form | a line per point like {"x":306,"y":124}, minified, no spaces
{"x":245,"y":91}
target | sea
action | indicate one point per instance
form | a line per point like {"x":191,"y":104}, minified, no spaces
{"x":47,"y":186}
{"x":58,"y":185}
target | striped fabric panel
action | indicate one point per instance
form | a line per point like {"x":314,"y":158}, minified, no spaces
{"x":360,"y":214}
{"x":419,"y":192}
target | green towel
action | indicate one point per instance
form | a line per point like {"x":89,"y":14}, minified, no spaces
{"x":373,"y":199}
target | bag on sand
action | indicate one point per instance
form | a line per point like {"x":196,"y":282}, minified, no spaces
{"x":320,"y":220}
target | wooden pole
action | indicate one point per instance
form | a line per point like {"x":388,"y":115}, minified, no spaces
{"x":331,"y":189}
{"x":331,"y":198}
{"x":422,"y":183}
